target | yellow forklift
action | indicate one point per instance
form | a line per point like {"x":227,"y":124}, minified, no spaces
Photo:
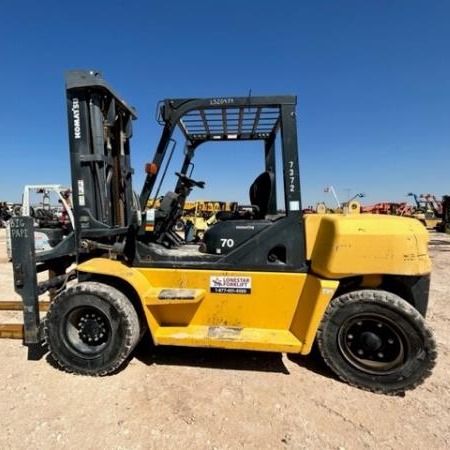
{"x":265,"y":277}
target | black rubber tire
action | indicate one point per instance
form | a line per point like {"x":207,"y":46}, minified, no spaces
{"x":398,"y":348}
{"x":107,"y":318}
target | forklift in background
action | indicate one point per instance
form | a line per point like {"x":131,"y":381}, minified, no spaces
{"x":265,"y":277}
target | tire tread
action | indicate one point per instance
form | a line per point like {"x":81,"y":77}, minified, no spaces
{"x":389,"y":300}
{"x":120,"y":302}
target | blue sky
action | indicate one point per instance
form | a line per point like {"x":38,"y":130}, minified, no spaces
{"x":372,"y":79}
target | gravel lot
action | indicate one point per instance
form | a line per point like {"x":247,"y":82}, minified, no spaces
{"x":209,"y":399}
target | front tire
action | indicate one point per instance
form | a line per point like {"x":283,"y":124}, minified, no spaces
{"x":91,"y":329}
{"x":376,"y":341}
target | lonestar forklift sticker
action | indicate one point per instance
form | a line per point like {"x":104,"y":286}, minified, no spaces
{"x":231,"y":285}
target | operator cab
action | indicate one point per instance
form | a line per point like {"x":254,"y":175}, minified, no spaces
{"x":256,"y":235}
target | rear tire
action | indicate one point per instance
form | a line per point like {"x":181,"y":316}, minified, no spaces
{"x":91,"y":329}
{"x":376,"y":341}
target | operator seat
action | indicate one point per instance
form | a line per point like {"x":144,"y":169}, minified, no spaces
{"x":260,"y":193}
{"x":235,"y":228}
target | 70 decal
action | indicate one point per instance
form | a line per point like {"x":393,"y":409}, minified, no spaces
{"x":227,"y":242}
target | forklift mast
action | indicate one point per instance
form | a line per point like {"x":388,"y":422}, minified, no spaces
{"x":100,"y":128}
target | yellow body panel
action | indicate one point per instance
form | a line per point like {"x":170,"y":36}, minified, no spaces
{"x":274,"y":311}
{"x":360,"y":244}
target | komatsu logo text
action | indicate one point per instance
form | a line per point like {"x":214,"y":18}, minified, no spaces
{"x":76,"y":118}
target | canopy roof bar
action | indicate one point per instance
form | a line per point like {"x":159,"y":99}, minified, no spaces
{"x":224,"y":123}
{"x":219,"y":119}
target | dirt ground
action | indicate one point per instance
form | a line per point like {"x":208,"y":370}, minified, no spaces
{"x":209,"y":399}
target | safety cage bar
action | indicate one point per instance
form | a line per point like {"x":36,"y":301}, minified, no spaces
{"x":227,"y":123}
{"x":241,"y":118}
{"x":227,"y":118}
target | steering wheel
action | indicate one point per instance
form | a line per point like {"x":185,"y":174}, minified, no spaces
{"x":189,"y":182}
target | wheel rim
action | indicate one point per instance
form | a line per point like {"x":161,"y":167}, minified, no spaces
{"x":373,"y":344}
{"x":87,"y":330}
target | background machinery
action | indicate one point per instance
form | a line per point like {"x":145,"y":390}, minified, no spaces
{"x":198,"y":215}
{"x":265,"y":277}
{"x":5,"y":214}
{"x":51,"y":209}
{"x":427,"y":209}
{"x":444,"y":225}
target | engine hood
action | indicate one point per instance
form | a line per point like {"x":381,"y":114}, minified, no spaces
{"x":339,"y":245}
